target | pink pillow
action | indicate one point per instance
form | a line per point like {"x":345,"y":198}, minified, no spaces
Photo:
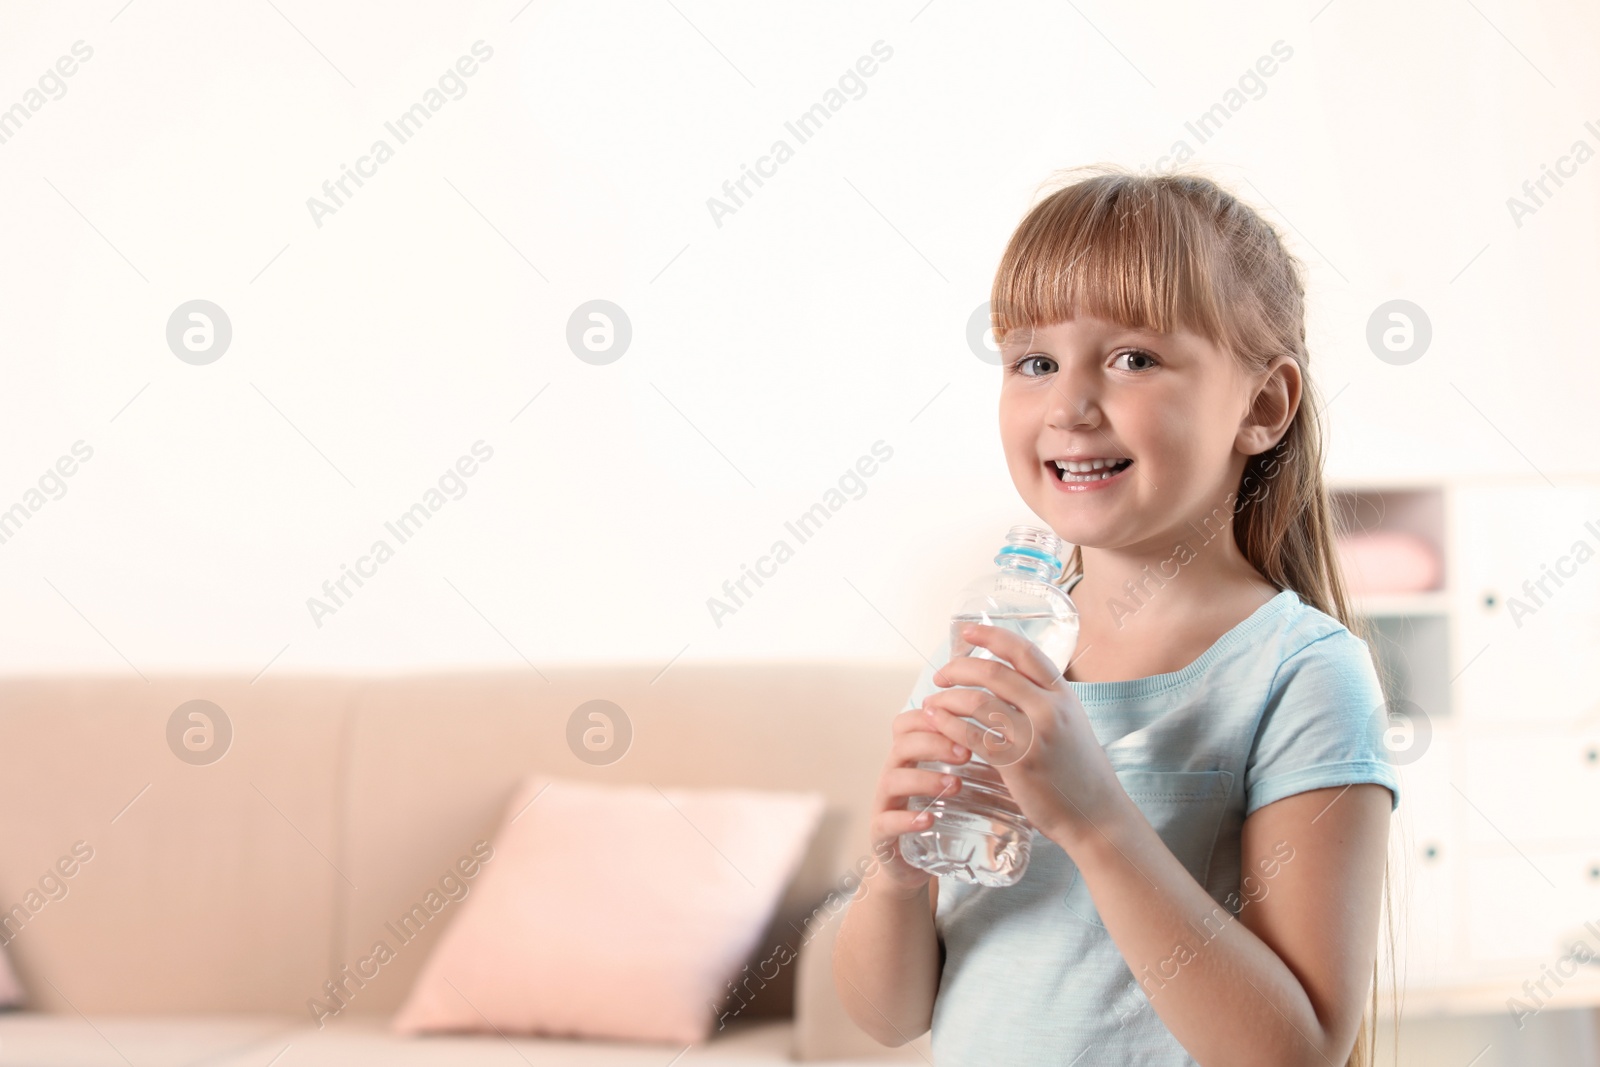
{"x":613,"y":911}
{"x":10,"y":988}
{"x":1387,"y":561}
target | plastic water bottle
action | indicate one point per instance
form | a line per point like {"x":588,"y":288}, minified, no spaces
{"x":978,"y":834}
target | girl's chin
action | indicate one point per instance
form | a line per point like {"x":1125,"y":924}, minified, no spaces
{"x":1078,"y":529}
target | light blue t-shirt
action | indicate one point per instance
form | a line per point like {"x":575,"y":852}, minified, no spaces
{"x":1286,"y":701}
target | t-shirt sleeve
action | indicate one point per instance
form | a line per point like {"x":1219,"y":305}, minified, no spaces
{"x":1323,"y":725}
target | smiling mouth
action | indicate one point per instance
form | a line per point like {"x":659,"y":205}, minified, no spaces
{"x":1111,"y":470}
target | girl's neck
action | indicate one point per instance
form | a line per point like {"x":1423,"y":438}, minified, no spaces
{"x":1143,"y":614}
{"x":1127,"y":589}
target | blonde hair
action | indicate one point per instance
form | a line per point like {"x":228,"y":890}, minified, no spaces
{"x":1175,"y":250}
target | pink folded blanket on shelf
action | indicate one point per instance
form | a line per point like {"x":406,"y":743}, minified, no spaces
{"x":1386,"y":561}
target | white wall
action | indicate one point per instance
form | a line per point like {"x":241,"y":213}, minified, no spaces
{"x":769,"y":353}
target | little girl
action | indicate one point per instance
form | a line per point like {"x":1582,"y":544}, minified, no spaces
{"x":1207,"y":781}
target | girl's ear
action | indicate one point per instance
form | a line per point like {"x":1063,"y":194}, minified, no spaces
{"x":1275,"y":399}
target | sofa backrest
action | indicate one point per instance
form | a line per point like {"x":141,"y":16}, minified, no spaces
{"x":245,"y":884}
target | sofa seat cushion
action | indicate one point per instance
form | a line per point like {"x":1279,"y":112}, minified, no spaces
{"x":361,"y":1042}
{"x":50,"y":1040}
{"x":42,"y":1039}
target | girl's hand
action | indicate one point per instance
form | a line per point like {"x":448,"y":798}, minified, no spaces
{"x":915,"y":739}
{"x":1036,"y":733}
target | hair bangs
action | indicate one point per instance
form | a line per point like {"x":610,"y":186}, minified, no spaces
{"x":1128,"y":250}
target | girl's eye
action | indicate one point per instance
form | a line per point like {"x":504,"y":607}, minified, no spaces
{"x":1025,"y":360}
{"x":1132,"y":353}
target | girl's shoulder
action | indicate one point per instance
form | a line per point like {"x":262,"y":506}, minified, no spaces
{"x":1304,"y":625}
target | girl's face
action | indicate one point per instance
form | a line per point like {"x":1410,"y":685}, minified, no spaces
{"x":1090,"y":389}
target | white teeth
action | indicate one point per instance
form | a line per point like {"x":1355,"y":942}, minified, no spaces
{"x":1087,"y":471}
{"x":1084,"y":466}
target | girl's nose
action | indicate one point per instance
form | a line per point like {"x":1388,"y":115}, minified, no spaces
{"x":1074,"y":399}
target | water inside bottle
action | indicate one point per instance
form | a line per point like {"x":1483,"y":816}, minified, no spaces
{"x":979,"y":834}
{"x":1055,"y":636}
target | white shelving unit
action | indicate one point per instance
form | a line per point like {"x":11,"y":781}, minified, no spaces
{"x":1497,"y":838}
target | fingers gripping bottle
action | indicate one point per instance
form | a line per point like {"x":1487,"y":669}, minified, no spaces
{"x":978,"y":834}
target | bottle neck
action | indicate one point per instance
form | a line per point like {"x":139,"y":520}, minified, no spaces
{"x":1033,"y":551}
{"x":1013,"y":562}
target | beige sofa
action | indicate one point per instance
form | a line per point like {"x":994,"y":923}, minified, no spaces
{"x":220,"y":898}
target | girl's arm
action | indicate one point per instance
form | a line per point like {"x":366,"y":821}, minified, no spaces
{"x":886,"y":960}
{"x":1283,"y":984}
{"x":886,"y":957}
